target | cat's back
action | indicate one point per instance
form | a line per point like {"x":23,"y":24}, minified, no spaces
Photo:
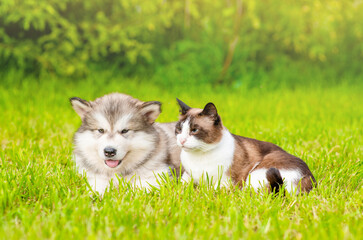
{"x":267,"y":155}
{"x":255,"y":147}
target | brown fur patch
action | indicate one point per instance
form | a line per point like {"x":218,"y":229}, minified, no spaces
{"x":307,"y":183}
{"x":243,"y":161}
{"x":249,"y":152}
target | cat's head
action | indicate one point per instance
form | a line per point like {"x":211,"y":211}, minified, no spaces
{"x":198,"y":129}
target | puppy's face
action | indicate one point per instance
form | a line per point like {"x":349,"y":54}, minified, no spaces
{"x":114,"y":127}
{"x":109,"y":141}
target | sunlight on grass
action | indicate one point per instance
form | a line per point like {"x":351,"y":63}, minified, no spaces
{"x":41,"y":195}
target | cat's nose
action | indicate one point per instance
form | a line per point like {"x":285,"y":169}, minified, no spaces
{"x":182,"y":141}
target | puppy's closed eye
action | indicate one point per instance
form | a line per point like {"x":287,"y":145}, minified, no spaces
{"x":123,"y":131}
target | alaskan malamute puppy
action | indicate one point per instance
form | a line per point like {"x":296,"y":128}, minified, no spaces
{"x":118,"y":136}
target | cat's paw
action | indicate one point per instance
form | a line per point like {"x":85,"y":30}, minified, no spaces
{"x":186,"y":177}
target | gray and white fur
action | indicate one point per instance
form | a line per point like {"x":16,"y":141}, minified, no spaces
{"x":119,"y":136}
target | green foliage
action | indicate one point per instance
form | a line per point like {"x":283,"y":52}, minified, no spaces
{"x":63,"y":36}
{"x":42,"y":196}
{"x":189,"y":36}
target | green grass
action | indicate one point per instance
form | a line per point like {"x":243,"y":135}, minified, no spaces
{"x":41,"y":195}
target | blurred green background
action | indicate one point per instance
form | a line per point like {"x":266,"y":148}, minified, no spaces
{"x":249,"y":44}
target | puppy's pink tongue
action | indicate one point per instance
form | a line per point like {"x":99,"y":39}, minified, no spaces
{"x":112,"y":163}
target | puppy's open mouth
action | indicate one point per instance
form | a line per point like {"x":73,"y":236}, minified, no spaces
{"x":112,"y":163}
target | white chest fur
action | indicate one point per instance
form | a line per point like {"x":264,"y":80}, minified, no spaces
{"x":213,"y":163}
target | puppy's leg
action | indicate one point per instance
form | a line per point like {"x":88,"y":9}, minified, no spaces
{"x":98,"y":183}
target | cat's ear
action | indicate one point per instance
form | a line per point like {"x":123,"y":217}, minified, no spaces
{"x":80,"y":106}
{"x":150,"y":110}
{"x":210,"y":110}
{"x":183,"y":107}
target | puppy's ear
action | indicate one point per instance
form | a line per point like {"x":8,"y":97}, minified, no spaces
{"x":150,"y":110}
{"x":80,"y":106}
{"x":183,"y":107}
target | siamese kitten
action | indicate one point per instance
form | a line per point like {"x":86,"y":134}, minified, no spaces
{"x":208,"y":148}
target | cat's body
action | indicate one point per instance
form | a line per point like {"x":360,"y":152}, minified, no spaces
{"x":214,"y":162}
{"x":210,"y":150}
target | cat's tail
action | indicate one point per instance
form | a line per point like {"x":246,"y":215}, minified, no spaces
{"x":274,"y":178}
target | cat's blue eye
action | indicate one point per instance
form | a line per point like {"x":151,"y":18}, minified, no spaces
{"x":194,"y":130}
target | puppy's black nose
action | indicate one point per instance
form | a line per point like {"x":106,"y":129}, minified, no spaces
{"x":109,"y":151}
